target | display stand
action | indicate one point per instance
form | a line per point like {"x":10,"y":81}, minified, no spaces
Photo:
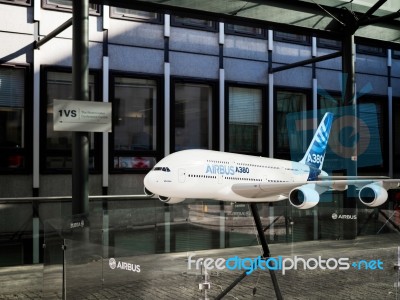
{"x":266,"y":254}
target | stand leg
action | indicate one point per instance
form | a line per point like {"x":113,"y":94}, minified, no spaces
{"x":266,"y":254}
{"x":265,"y":247}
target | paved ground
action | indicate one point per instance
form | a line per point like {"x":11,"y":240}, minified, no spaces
{"x":168,"y":276}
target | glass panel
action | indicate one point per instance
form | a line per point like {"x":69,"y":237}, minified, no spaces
{"x":19,"y":2}
{"x":16,"y":240}
{"x":372,"y":143}
{"x":396,"y":53}
{"x":143,"y":249}
{"x":193,"y":22}
{"x":371,"y":50}
{"x":67,"y":4}
{"x":233,"y":28}
{"x":53,"y":260}
{"x":334,"y":44}
{"x":245,"y":122}
{"x":193,"y":116}
{"x":396,"y":133}
{"x":59,"y":86}
{"x":133,"y":14}
{"x":135,"y":118}
{"x":12,"y":117}
{"x":134,"y":162}
{"x":289,"y":102}
{"x":291,"y":37}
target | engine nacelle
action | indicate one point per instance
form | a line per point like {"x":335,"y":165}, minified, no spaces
{"x":303,"y":197}
{"x":170,"y":200}
{"x":148,"y":193}
{"x":373,"y":195}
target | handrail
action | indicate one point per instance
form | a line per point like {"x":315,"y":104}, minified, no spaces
{"x":69,"y":198}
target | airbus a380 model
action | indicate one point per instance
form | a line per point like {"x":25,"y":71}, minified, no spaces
{"x":207,"y":174}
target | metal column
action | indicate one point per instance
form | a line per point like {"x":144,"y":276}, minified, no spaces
{"x":349,"y":102}
{"x":80,"y":86}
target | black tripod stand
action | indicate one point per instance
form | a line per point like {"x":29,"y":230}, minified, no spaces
{"x":266,"y":254}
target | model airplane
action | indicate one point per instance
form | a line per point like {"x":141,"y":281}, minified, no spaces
{"x":207,"y":174}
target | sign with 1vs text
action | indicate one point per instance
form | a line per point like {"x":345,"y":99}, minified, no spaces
{"x":72,"y":115}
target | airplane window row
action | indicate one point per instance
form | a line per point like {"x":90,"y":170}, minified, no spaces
{"x":248,"y":179}
{"x":217,"y":161}
{"x":297,"y":170}
{"x":277,"y":180}
{"x":257,"y":166}
{"x":202,"y":176}
{"x":164,"y":169}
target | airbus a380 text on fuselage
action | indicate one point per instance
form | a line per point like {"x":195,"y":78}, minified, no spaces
{"x":207,"y":174}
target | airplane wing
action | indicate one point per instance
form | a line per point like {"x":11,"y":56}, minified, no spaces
{"x":265,"y":189}
{"x":268,"y":189}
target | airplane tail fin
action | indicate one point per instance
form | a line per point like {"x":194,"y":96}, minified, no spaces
{"x":315,"y":154}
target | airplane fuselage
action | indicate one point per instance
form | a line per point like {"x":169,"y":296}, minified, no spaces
{"x":211,"y":174}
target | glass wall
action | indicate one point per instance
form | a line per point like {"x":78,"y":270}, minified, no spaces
{"x":140,"y":247}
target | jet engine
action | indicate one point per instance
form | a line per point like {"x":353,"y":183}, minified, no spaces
{"x":170,"y":200}
{"x":373,"y":195}
{"x":148,"y":193}
{"x":303,"y":197}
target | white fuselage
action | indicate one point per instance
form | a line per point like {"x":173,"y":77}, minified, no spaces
{"x":210,"y":174}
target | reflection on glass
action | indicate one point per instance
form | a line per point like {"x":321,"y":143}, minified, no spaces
{"x":193,"y":111}
{"x":244,"y":29}
{"x":134,"y":114}
{"x":245,"y":122}
{"x":201,"y":23}
{"x":121,"y":162}
{"x":290,"y":102}
{"x":133,"y":14}
{"x":12,"y":98}
{"x":396,"y":132}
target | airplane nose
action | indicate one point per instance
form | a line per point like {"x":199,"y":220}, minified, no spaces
{"x":149,"y":181}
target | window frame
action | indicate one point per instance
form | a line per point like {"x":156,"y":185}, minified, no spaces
{"x":159,"y":19}
{"x":278,"y":38}
{"x":361,"y":50}
{"x":264,"y":116}
{"x":18,"y":2}
{"x":384,"y":168}
{"x":322,"y":44}
{"x":28,"y":119}
{"x":96,"y":153}
{"x":309,"y":104}
{"x":262,"y":35}
{"x":396,"y":53}
{"x":64,"y":8}
{"x":177,"y":23}
{"x":370,"y":98}
{"x":215,"y":108}
{"x":158,"y":152}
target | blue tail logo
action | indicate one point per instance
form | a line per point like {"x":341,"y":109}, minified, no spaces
{"x":315,"y":154}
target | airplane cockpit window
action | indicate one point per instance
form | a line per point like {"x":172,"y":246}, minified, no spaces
{"x":164,"y":169}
